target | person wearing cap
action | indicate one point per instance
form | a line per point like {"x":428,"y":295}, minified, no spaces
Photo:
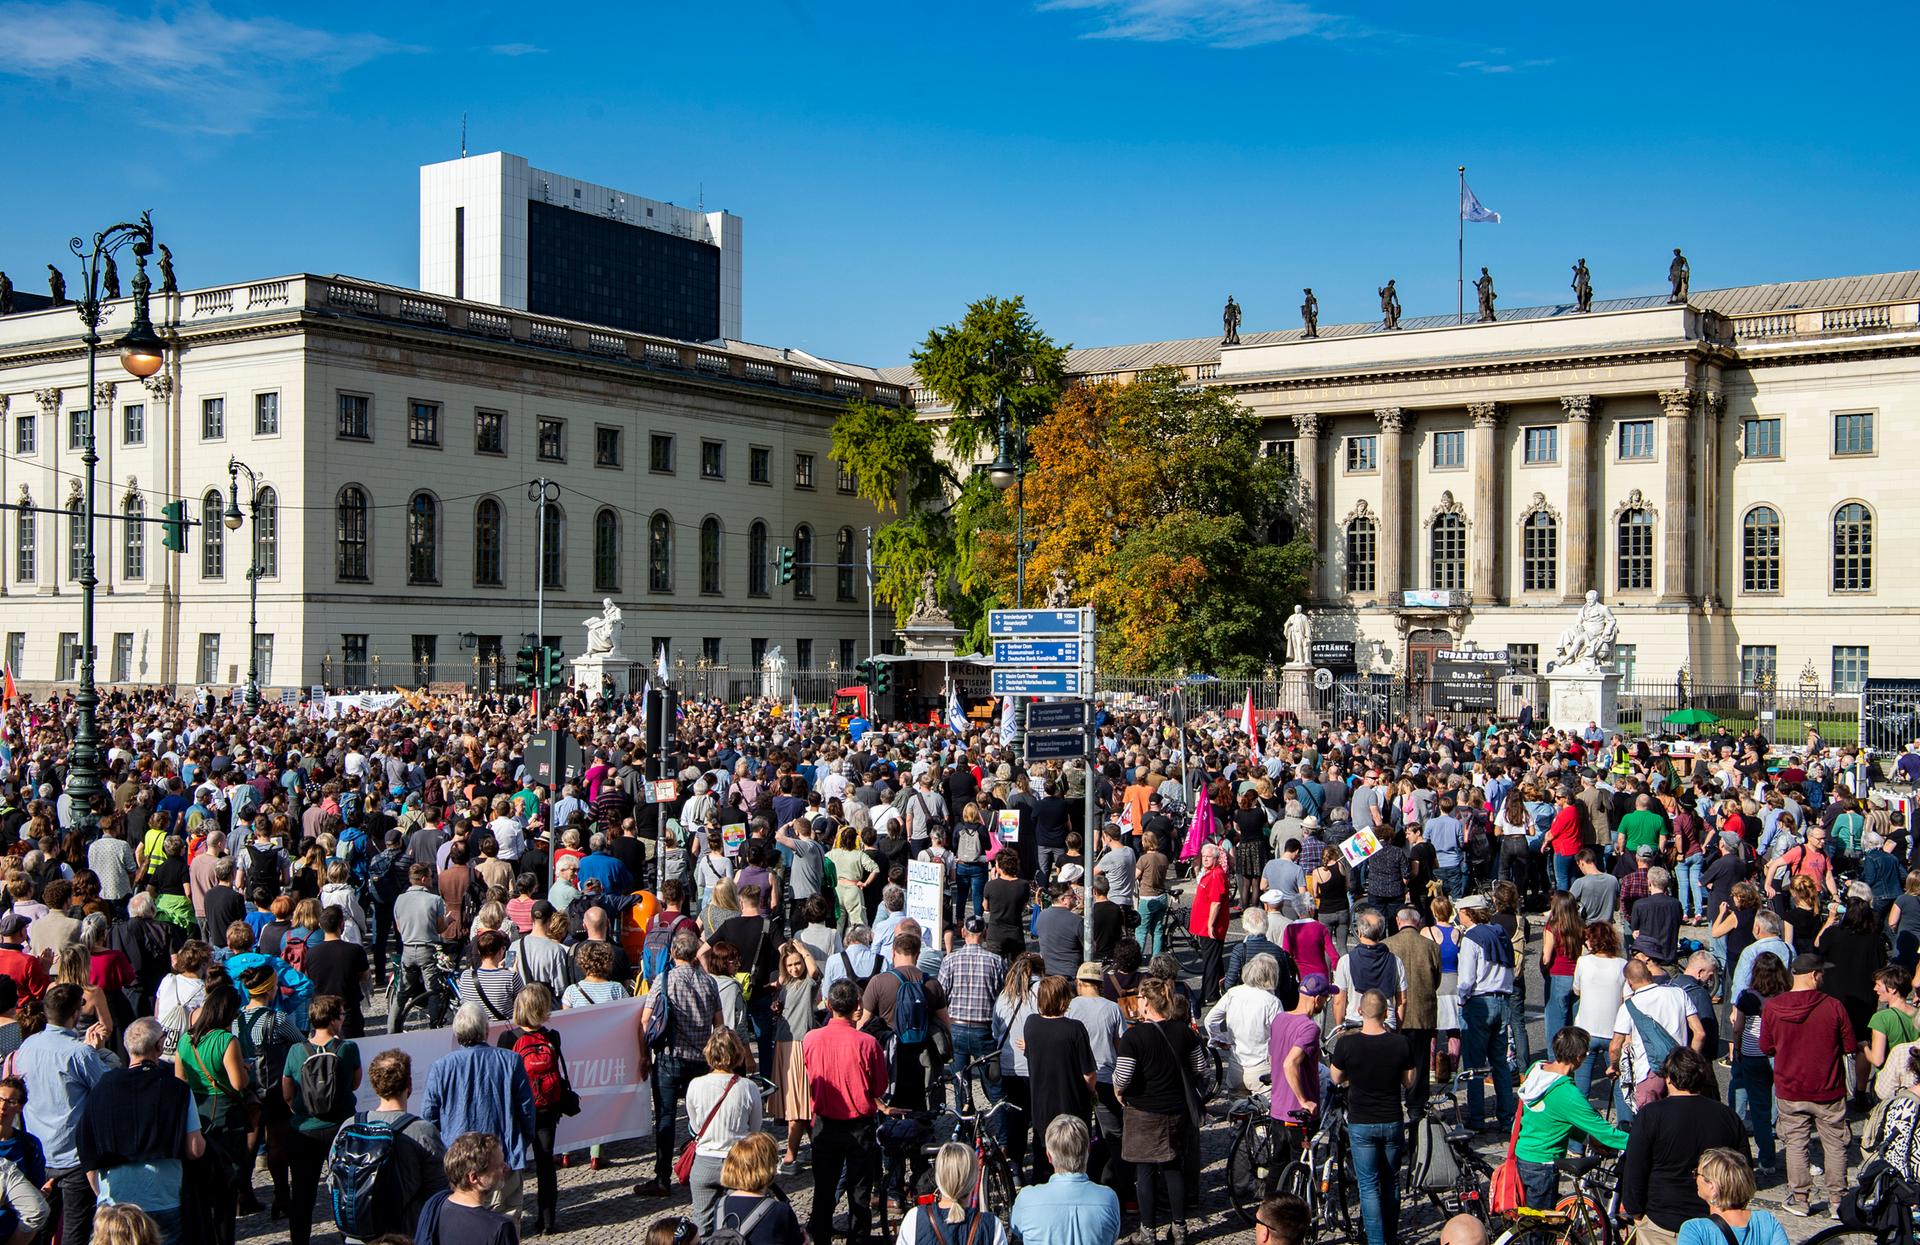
{"x":1105,"y":1024}
{"x":1485,"y":975}
{"x":1656,"y":918}
{"x":1655,"y":1016}
{"x":1293,"y":1050}
{"x":1807,"y":1033}
{"x":972,"y":977}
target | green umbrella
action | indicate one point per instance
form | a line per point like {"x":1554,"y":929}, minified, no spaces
{"x":1689,"y":717}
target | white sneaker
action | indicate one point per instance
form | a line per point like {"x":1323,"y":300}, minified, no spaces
{"x":1816,"y":1170}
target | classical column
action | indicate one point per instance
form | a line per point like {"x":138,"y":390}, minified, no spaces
{"x":1577,"y":546}
{"x":1486,"y":580}
{"x":1393,"y":507}
{"x":1306,"y":462}
{"x":1676,"y":578}
{"x":1710,"y":536}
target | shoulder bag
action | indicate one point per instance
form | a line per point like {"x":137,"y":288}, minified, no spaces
{"x":683,"y":1165}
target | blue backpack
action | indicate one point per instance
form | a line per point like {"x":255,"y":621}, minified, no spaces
{"x":910,"y":1021}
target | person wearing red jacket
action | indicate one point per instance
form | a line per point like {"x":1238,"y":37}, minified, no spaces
{"x":1208,"y":920}
{"x":1563,"y":839}
{"x":1808,"y":1034}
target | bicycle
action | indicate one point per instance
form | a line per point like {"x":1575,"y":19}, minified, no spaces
{"x":1321,"y":1178}
{"x":432,"y":1005}
{"x":1468,"y":1193}
{"x":1588,"y":1215}
{"x":998,"y":1182}
{"x":1260,"y":1148}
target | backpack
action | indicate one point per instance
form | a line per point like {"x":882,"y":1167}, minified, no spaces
{"x":544,"y":1070}
{"x":1434,"y":1167}
{"x":1129,"y":1001}
{"x":656,"y":952}
{"x":266,"y":1053}
{"x":910,"y":1018}
{"x":367,"y":1198}
{"x":846,"y":962}
{"x":324,"y":1093}
{"x":970,"y":843}
{"x":733,"y":1231}
{"x":659,"y":1014}
{"x":264,"y":863}
{"x":294,"y":952}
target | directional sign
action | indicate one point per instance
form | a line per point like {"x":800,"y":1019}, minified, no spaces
{"x":1058,"y":715}
{"x":1055,"y":747}
{"x":1038,"y":622}
{"x":1037,"y":652}
{"x":1036,"y":682}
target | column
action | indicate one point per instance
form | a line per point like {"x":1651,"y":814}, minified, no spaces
{"x":1676,"y":577}
{"x":1712,"y":539}
{"x":1486,"y":579}
{"x":1576,"y":543}
{"x":1393,"y":507}
{"x":1306,"y":461}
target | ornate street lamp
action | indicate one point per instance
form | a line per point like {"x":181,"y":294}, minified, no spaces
{"x":1009,"y":470}
{"x":232,"y":519}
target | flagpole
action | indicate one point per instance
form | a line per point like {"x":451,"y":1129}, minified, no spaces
{"x":1460,"y":254}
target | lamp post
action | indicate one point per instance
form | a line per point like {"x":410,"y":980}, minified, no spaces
{"x":141,"y":354}
{"x":232,"y":520}
{"x":1009,"y":470}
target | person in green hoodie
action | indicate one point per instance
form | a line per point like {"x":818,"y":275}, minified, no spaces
{"x":1552,"y":1107}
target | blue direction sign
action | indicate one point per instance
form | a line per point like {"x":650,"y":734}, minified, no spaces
{"x":1035,"y":622}
{"x":1037,"y":652}
{"x":1036,"y":682}
{"x":1055,"y":747}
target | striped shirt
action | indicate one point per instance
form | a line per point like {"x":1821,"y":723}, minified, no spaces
{"x":491,"y":990}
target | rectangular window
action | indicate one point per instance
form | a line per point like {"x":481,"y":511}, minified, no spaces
{"x":209,"y":665}
{"x":122,"y":656}
{"x":1363,"y":454}
{"x":1283,"y":450}
{"x":757,"y":652}
{"x":16,"y":649}
{"x":353,"y":660}
{"x":660,"y":452}
{"x":213,"y":419}
{"x":1540,"y":445}
{"x":489,"y":432}
{"x":356,"y":417}
{"x":1449,"y":449}
{"x":760,"y":465}
{"x":266,"y":414}
{"x":803,"y":471}
{"x":1525,"y":658}
{"x":1853,"y":434}
{"x":423,"y":424}
{"x":1626,"y":662}
{"x":426,"y":653}
{"x":606,"y":446}
{"x":846,"y":654}
{"x":1758,"y":664}
{"x":76,"y":430}
{"x":1760,"y":438}
{"x":26,"y":439}
{"x":713,"y":460}
{"x":710,"y":649}
{"x":69,"y":658}
{"x":1849,"y":667}
{"x":550,"y":440}
{"x":803,"y":653}
{"x":133,"y":425}
{"x":842,"y":479}
{"x":1636,"y":439}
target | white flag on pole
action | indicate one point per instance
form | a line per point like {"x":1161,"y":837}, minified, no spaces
{"x":661,"y":665}
{"x":956,"y":716}
{"x":1246,"y":716}
{"x":1009,"y":729}
{"x":1472,"y":210}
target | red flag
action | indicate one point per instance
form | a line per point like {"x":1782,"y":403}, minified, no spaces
{"x":7,"y":695}
{"x":1246,"y":716}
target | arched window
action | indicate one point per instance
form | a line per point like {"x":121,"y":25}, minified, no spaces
{"x":843,"y":578}
{"x":486,"y":544}
{"x":350,"y":535}
{"x":26,"y":552}
{"x":1634,"y":532}
{"x":802,"y":561}
{"x":660,"y":553}
{"x":710,"y":556}
{"x":606,"y":550}
{"x":423,"y":539}
{"x":1361,"y":536}
{"x":213,"y":537}
{"x":266,"y":532}
{"x":1447,"y":547}
{"x":757,"y":559}
{"x":1853,"y":548}
{"x":1760,"y":550}
{"x":553,"y":546}
{"x":133,"y":541}
{"x":1539,"y":553}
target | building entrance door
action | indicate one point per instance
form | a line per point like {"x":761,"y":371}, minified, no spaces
{"x":1422,"y":647}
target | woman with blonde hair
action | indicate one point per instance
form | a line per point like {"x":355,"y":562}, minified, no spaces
{"x":956,"y":1213}
{"x":531,"y":1040}
{"x":753,"y":1206}
{"x":721,"y":908}
{"x":124,"y":1224}
{"x":1724,"y":1181}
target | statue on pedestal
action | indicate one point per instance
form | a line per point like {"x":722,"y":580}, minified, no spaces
{"x":1587,"y":645}
{"x":1484,"y":289}
{"x":110,"y":279}
{"x":603,"y":631}
{"x":56,"y":285}
{"x":773,"y":674}
{"x":1389,"y":306}
{"x":1679,"y":276}
{"x":1310,"y":314}
{"x":167,"y":283}
{"x":1582,"y":287}
{"x":1298,"y":632}
{"x":1230,"y":323}
{"x":927,"y":609}
{"x":1059,"y":596}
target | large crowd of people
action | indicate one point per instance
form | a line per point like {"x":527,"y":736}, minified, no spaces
{"x":1355,"y":918}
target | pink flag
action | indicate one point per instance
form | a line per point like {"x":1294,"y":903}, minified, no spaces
{"x":1202,"y":827}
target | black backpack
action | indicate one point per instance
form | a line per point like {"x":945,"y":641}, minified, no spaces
{"x":323,"y":1091}
{"x":367,"y":1198}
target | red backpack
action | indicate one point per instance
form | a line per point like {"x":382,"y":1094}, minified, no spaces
{"x":544,"y":1072}
{"x":293,"y":951}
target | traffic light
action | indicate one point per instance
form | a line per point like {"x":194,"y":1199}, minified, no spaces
{"x":555,"y":669}
{"x":173,"y":526}
{"x":783,"y":564}
{"x":882,"y":678}
{"x":526,"y":665}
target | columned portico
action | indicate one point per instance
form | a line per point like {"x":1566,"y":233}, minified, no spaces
{"x":1578,"y":555}
{"x":1676,"y":578}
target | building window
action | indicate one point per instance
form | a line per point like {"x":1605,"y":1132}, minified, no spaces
{"x":1447,"y":548}
{"x":353,"y":660}
{"x":553,"y":546}
{"x":266,"y":533}
{"x":710,"y":556}
{"x":1540,"y":553}
{"x":356,"y":417}
{"x":713,"y":460}
{"x":1363,"y":454}
{"x":1852,"y":548}
{"x":122,"y":656}
{"x":710,"y":649}
{"x":350,"y":535}
{"x":1853,"y":434}
{"x":760,"y":465}
{"x":757,"y":652}
{"x":1758,"y":665}
{"x":606,"y":551}
{"x":1849,"y":667}
{"x":803,"y":653}
{"x":606,"y":446}
{"x":803,"y":562}
{"x":133,"y":424}
{"x":550,"y":440}
{"x":263,"y":658}
{"x":757,"y":559}
{"x":26,"y":560}
{"x":209,"y":664}
{"x":490,"y":432}
{"x":16,"y":649}
{"x":26,"y":436}
{"x":1636,"y":438}
{"x":266,"y":414}
{"x":1540,"y":445}
{"x":133,"y":540}
{"x":1524,"y":658}
{"x":1449,"y":449}
{"x":486,"y":543}
{"x":843,"y":566}
{"x":68,"y":662}
{"x":842,"y":480}
{"x":1760,"y":550}
{"x":847,"y":651}
{"x":77,"y":536}
{"x":423,"y":424}
{"x":1760,"y":438}
{"x":213,"y":538}
{"x":423,"y":539}
{"x":1285,"y":451}
{"x":660,"y":452}
{"x":1626,"y":662}
{"x":213,"y":419}
{"x":1635,"y":532}
{"x":660,"y":553}
{"x":803,"y":471}
{"x":1360,"y":544}
{"x":77,"y":430}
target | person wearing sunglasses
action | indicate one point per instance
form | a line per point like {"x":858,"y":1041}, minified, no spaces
{"x":1281,"y":1221}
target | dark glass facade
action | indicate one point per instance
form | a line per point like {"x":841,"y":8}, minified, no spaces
{"x":602,"y":271}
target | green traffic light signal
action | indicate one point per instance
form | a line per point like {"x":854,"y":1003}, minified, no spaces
{"x":526,"y":665}
{"x":554,"y":671}
{"x":784,"y":565}
{"x":173,"y":526}
{"x":882,"y":678}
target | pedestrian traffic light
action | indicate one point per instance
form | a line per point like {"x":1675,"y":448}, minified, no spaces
{"x":526,"y":665}
{"x":555,"y":669}
{"x":783,"y":564}
{"x":173,"y":526}
{"x":882,"y":678}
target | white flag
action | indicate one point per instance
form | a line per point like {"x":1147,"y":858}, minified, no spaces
{"x":661,"y":665}
{"x":956,"y":717}
{"x":1471,"y":209}
{"x":1009,"y":730}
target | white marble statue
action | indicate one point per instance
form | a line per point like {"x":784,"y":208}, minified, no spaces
{"x":603,"y":632}
{"x":773,"y":674}
{"x":1299,"y":636}
{"x":1588,"y":643}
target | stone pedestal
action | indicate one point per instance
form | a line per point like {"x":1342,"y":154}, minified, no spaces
{"x":929,"y":639}
{"x":1578,"y":697}
{"x":1296,"y":692}
{"x":590,"y":670}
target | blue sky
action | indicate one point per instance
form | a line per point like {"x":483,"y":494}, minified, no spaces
{"x":1122,"y":163}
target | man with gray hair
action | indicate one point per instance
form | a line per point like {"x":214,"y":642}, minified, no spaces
{"x":1068,"y":1209}
{"x":481,"y":1088}
{"x":693,"y":1013}
{"x":893,"y":910}
{"x":1769,"y":929}
{"x":857,"y":961}
{"x":138,"y":1124}
{"x":1656,"y":918}
{"x":1370,"y":965}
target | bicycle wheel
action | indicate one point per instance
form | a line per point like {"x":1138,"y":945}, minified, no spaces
{"x":1841,"y":1234}
{"x":426,"y":1013}
{"x":996,"y":1178}
{"x":1587,"y":1220}
{"x":1250,"y":1170}
{"x":1211,"y":1080}
{"x":1342,"y":1196}
{"x":1296,"y":1180}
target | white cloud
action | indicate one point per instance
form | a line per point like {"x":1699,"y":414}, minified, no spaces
{"x":516,"y":49}
{"x":1216,"y":23}
{"x":189,"y":68}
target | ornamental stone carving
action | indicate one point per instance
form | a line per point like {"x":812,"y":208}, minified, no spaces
{"x":1485,"y":414}
{"x":1392,"y":419}
{"x":1677,"y":403}
{"x":1538,"y":504}
{"x":1636,"y":500}
{"x":1448,"y":505}
{"x":49,"y":400}
{"x":103,"y":394}
{"x":1307,"y":423}
{"x":1360,"y":511}
{"x":160,"y":385}
{"x":1580,"y":406}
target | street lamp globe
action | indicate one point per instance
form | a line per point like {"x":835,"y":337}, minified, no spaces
{"x":141,"y":350}
{"x":1003,"y":473}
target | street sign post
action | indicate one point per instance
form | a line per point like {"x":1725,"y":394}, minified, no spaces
{"x":1038,"y":622}
{"x":1057,"y":715}
{"x":1038,"y":653}
{"x":1055,"y":746}
{"x":1023,"y":682}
